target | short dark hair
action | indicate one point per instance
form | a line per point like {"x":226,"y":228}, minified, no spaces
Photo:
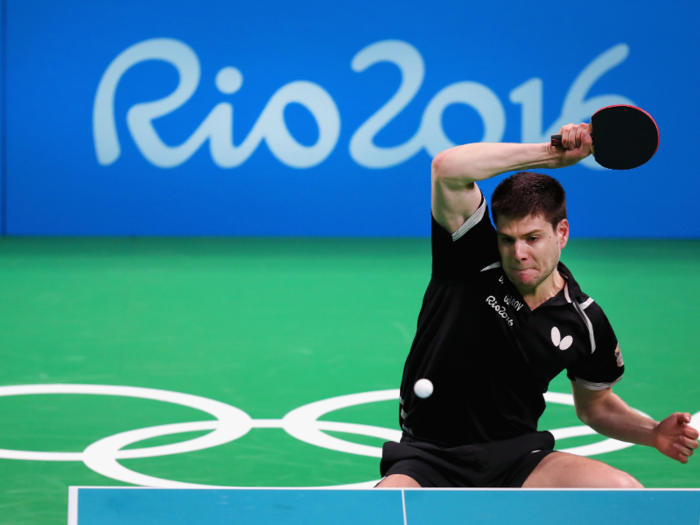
{"x":527,"y":193}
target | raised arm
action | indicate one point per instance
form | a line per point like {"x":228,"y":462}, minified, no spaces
{"x":454,"y":172}
{"x":610,"y":416}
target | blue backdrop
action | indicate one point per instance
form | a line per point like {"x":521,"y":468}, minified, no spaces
{"x":318,"y":118}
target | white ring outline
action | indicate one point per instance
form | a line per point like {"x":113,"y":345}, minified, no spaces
{"x":232,"y":423}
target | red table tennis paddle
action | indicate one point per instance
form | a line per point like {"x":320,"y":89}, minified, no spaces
{"x":625,"y":137}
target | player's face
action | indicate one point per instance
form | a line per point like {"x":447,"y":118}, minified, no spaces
{"x":530,"y":249}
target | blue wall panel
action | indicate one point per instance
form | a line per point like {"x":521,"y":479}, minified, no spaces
{"x":157,"y":117}
{"x":3,"y":179}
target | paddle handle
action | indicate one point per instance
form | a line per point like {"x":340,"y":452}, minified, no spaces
{"x":556,"y":140}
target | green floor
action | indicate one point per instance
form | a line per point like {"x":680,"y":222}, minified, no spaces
{"x":269,"y":325}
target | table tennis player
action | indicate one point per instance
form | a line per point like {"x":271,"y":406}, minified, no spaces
{"x":501,"y":317}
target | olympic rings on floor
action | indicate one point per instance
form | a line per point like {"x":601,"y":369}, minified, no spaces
{"x":231,"y":423}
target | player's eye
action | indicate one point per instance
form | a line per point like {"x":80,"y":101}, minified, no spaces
{"x":533,"y":238}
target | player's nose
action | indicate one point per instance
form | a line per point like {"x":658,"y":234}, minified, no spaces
{"x":520,"y":251}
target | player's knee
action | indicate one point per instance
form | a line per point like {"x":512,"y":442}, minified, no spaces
{"x":622,"y":480}
{"x":397,"y":481}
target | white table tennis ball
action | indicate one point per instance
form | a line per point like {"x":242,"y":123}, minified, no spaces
{"x":423,"y":388}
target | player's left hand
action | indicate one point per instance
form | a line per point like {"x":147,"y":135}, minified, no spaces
{"x":675,"y":438}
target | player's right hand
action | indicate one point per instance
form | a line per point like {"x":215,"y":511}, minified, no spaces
{"x":576,"y":144}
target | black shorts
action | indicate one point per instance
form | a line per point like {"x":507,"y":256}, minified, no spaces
{"x":506,"y":463}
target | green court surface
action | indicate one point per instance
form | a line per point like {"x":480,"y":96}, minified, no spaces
{"x":271,"y":325}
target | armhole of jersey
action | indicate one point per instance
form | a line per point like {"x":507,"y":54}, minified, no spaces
{"x":596,"y":386}
{"x":471,"y":221}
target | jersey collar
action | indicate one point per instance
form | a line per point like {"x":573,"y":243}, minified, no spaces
{"x":570,"y":292}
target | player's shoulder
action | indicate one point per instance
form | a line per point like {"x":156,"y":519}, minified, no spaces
{"x":463,"y":253}
{"x":470,"y":228}
{"x":590,"y":314}
{"x":591,"y":307}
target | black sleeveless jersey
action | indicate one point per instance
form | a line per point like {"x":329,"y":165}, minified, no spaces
{"x":490,"y":358}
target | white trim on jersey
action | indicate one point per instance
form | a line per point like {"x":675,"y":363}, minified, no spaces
{"x":470,"y":222}
{"x":587,"y":321}
{"x":587,"y":303}
{"x":596,"y":386}
{"x":566,"y":292}
{"x":497,"y":264}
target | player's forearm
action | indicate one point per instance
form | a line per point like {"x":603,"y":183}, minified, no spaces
{"x":615,"y":419}
{"x":469,"y":163}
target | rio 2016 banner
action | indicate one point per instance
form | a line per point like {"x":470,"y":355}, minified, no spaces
{"x":315,"y":119}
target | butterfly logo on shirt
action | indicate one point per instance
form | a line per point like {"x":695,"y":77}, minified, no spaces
{"x":561,"y":344}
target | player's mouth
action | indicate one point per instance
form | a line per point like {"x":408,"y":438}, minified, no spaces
{"x":523,"y":274}
{"x":522,"y":270}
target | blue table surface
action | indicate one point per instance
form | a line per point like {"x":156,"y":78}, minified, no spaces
{"x":141,"y":506}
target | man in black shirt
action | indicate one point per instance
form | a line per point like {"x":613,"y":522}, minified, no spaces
{"x":501,"y":317}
